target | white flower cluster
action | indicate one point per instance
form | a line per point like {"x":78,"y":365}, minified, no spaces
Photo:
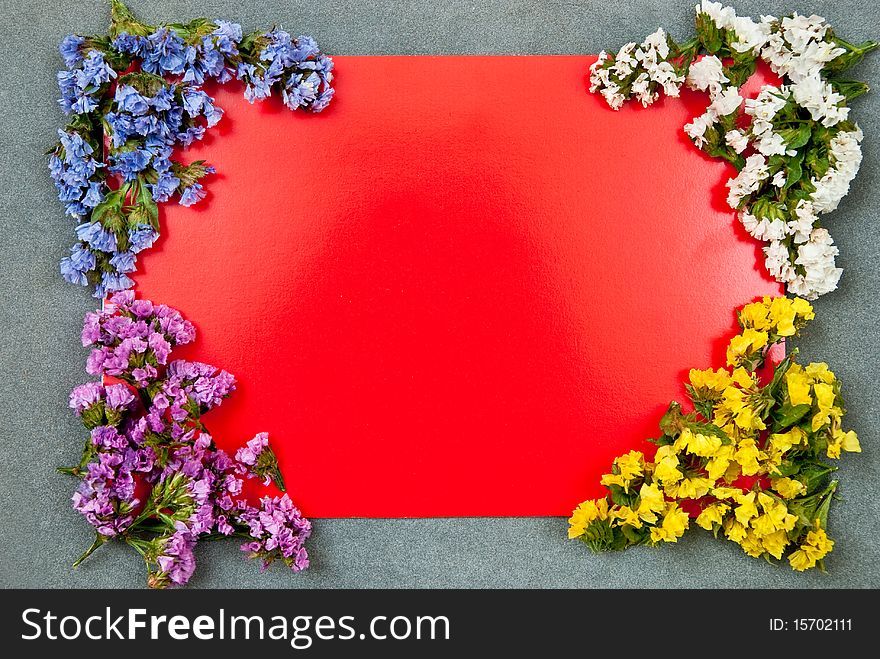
{"x":782,"y":212}
{"x":637,"y":71}
{"x":794,"y":47}
{"x":707,"y":74}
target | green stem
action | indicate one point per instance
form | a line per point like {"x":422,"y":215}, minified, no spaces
{"x":99,"y":540}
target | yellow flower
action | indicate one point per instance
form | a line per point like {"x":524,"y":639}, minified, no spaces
{"x":651,"y":503}
{"x":585,"y":514}
{"x":825,"y":401}
{"x":734,"y":530}
{"x":625,"y":515}
{"x":743,"y":378}
{"x":788,"y":488}
{"x":755,"y":315}
{"x":847,"y":441}
{"x":690,"y":488}
{"x":782,"y":315}
{"x":747,"y":455}
{"x":775,"y":543}
{"x":803,"y":309}
{"x":801,"y":560}
{"x":675,"y":522}
{"x":712,"y":514}
{"x":777,"y":512}
{"x":717,"y":466}
{"x":666,"y":470}
{"x":744,"y":345}
{"x":817,"y":543}
{"x":709,"y":380}
{"x":818,"y":372}
{"x":629,"y":467}
{"x":752,"y":545}
{"x":726,"y":492}
{"x":746,"y":509}
{"x":704,"y":446}
{"x":784,"y":441}
{"x":798,"y":386}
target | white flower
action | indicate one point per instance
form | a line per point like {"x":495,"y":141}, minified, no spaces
{"x":820,"y":273}
{"x":817,"y":96}
{"x":598,"y":75}
{"x":624,"y":62}
{"x":798,"y":50}
{"x":779,"y":179}
{"x":657,"y":42}
{"x":706,"y":73}
{"x":697,"y":128}
{"x":613,"y":96}
{"x":845,"y":155}
{"x":764,"y":228}
{"x":748,"y":180}
{"x":801,"y":227}
{"x":778,"y":262}
{"x":722,"y":16}
{"x":726,"y":102}
{"x":737,"y":140}
{"x":772,"y":144}
{"x":641,"y":90}
{"x":767,"y":103}
{"x":751,"y":36}
{"x":664,"y":74}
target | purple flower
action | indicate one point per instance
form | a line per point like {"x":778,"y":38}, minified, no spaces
{"x":86,"y":395}
{"x":257,"y":460}
{"x":174,"y":559}
{"x":279,"y":531}
{"x":118,"y":396}
{"x":105,"y":496}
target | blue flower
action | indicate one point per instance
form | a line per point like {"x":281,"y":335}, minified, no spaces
{"x":129,"y":100}
{"x":75,"y":266}
{"x":75,"y":147}
{"x":130,"y":45}
{"x":130,"y":163}
{"x":164,"y":98}
{"x":124,"y":262}
{"x":190,"y":135}
{"x":93,"y":196}
{"x":164,"y":52}
{"x":141,"y":237}
{"x":192,"y":194}
{"x":70,"y":50}
{"x":229,"y":36}
{"x":165,"y":186}
{"x":96,"y":236}
{"x":112,"y":281}
{"x":95,"y":71}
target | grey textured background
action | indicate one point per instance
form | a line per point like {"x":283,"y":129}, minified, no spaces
{"x":41,"y":360}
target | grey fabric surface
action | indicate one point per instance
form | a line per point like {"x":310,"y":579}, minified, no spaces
{"x":41,"y":359}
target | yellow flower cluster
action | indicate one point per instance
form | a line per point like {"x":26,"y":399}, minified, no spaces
{"x":749,"y":457}
{"x":764,"y":324}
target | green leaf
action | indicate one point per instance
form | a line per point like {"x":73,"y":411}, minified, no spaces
{"x":793,"y":171}
{"x":788,"y":415}
{"x":709,"y":34}
{"x":798,"y":136}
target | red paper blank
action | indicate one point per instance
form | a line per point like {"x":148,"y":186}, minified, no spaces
{"x":460,"y":290}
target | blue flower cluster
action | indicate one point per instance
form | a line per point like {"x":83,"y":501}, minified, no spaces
{"x":157,"y":105}
{"x":83,"y":80}
{"x":165,"y":53}
{"x":302,"y":70}
{"x":76,"y":174}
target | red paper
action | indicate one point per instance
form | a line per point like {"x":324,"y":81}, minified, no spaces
{"x":460,"y":290}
